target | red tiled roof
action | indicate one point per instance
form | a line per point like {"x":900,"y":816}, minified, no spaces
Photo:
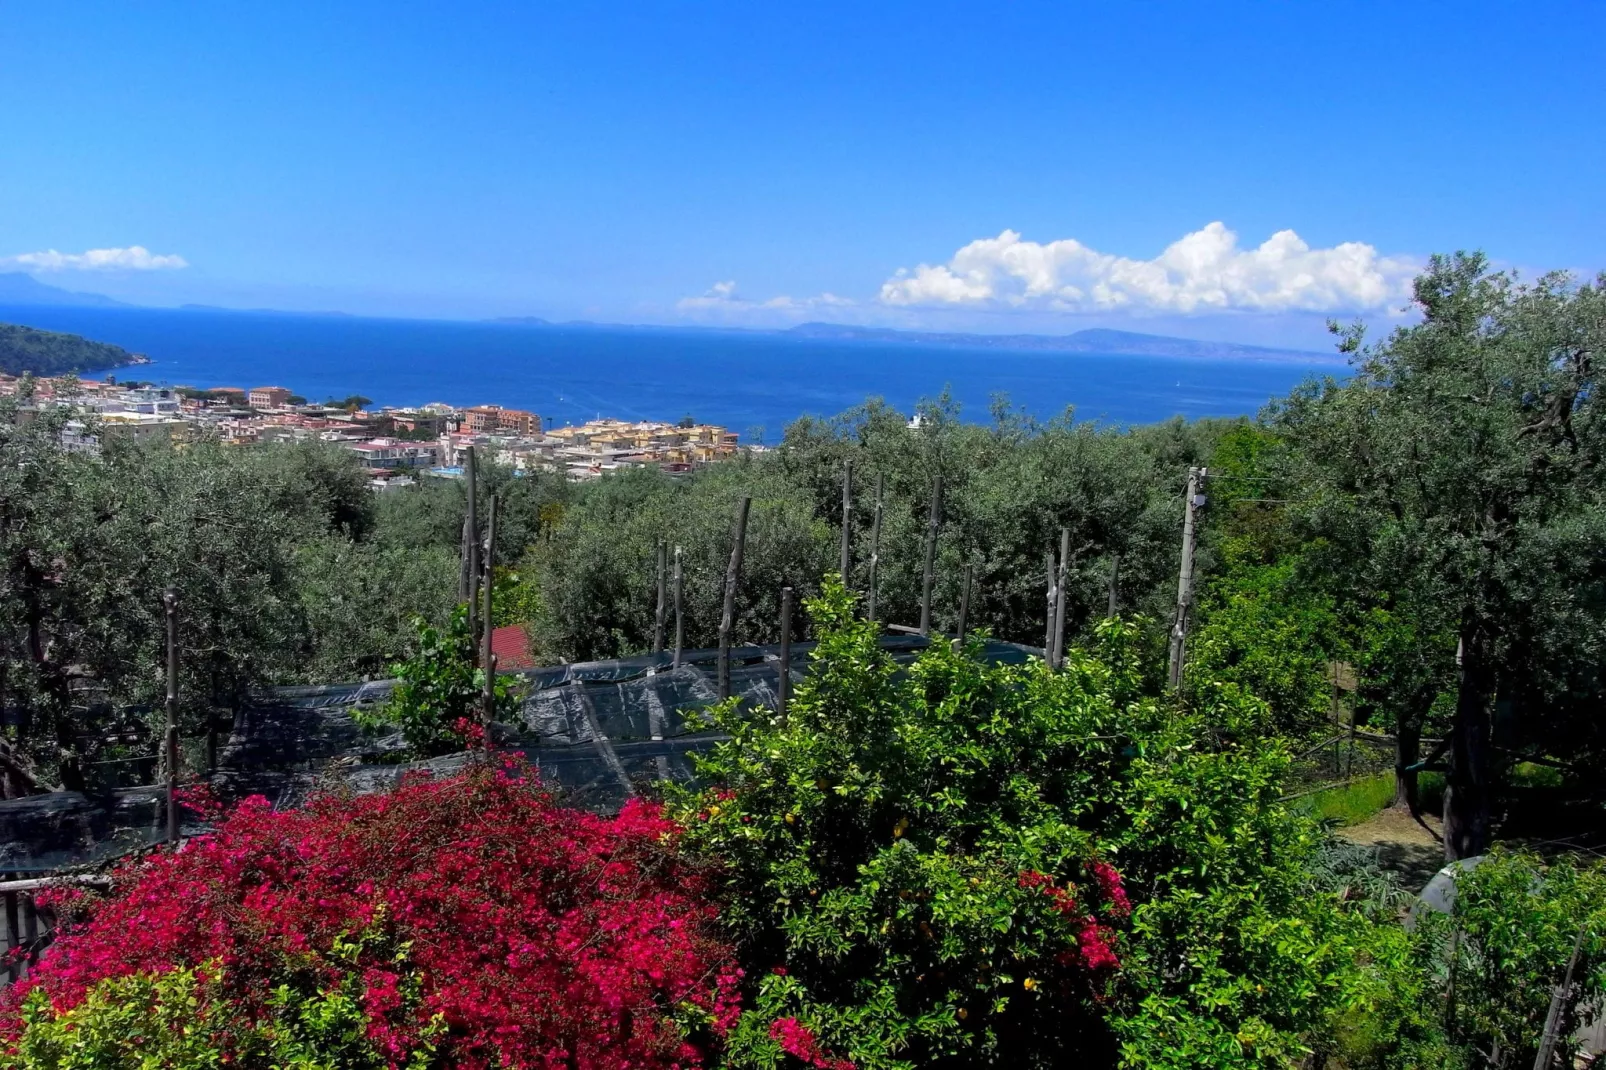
{"x":511,"y":645}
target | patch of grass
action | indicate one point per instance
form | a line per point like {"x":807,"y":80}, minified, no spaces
{"x":1353,"y":803}
{"x":1534,"y":775}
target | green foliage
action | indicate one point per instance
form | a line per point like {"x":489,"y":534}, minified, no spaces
{"x":26,"y":349}
{"x":185,"y":1018}
{"x":874,"y":843}
{"x":1513,"y":926}
{"x":1264,"y":633}
{"x":439,"y":689}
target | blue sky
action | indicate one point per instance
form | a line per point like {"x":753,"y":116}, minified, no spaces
{"x":764,"y":163}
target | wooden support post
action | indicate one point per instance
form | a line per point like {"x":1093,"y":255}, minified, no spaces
{"x":1048,"y":619}
{"x":487,"y":656}
{"x":846,"y":565}
{"x":930,"y":576}
{"x":727,"y":618}
{"x":471,"y":478}
{"x":875,"y":551}
{"x":13,"y":937}
{"x":1061,"y":600}
{"x":170,"y":737}
{"x":1558,"y":1000}
{"x":1179,"y":627}
{"x":783,"y":685}
{"x":1115,"y":577}
{"x":680,"y":622}
{"x":964,"y":603}
{"x":663,"y":605}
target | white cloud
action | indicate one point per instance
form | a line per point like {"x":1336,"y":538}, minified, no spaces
{"x":1201,"y":272}
{"x":722,"y":302}
{"x":133,"y":258}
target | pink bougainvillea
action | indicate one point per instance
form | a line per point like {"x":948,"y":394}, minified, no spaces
{"x":539,"y":935}
{"x":1094,"y":942}
{"x":799,"y":1041}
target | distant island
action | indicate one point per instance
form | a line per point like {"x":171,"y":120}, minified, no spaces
{"x":24,"y":349}
{"x":1094,"y":340}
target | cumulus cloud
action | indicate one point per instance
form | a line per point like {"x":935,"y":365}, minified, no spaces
{"x":133,"y":258}
{"x":721,"y":301}
{"x":1201,"y":272}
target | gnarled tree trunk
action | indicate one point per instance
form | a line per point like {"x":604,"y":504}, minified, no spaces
{"x":1467,"y":790}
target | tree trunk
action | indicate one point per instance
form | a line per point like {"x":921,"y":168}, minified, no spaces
{"x":1407,"y":752}
{"x":1466,"y":793}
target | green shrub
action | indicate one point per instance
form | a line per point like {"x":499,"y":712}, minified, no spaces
{"x":1511,"y":930}
{"x":874,"y":845}
{"x":436,"y":701}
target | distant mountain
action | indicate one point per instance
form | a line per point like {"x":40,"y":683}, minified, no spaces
{"x":1095,"y":340}
{"x":523,"y":321}
{"x":24,"y":349}
{"x":17,"y":288}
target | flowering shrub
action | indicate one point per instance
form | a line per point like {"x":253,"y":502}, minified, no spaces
{"x":901,"y":871}
{"x":958,"y":863}
{"x":467,"y":921}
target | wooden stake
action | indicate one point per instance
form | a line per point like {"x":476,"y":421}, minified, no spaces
{"x":783,"y":686}
{"x":875,"y":550}
{"x":663,"y":578}
{"x":1179,"y":627}
{"x":1558,"y":999}
{"x":1053,"y":598}
{"x":680,"y":623}
{"x":930,"y":576}
{"x":13,"y":937}
{"x":471,"y":476}
{"x":1060,"y":599}
{"x":170,"y":737}
{"x":727,"y":618}
{"x":964,"y":603}
{"x":487,"y":657}
{"x":846,"y":566}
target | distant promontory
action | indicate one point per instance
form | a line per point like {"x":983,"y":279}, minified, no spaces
{"x":25,"y":349}
{"x":1096,"y":340}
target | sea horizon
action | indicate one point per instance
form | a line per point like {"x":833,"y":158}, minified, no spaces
{"x":745,"y":380}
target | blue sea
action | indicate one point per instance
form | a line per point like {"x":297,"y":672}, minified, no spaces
{"x":568,"y":374}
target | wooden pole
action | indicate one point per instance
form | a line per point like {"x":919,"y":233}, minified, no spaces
{"x":680,"y":622}
{"x":1053,"y":598}
{"x":1179,"y":627}
{"x":875,"y":550}
{"x":846,"y":566}
{"x":13,"y":937}
{"x":1115,"y":576}
{"x":727,"y":618}
{"x":462,"y":563}
{"x":663,"y":608}
{"x":170,"y":737}
{"x":1061,"y":600}
{"x":471,"y":476}
{"x":930,"y":576}
{"x":964,"y":602}
{"x":783,"y":685}
{"x":487,"y":656}
{"x":1558,"y":999}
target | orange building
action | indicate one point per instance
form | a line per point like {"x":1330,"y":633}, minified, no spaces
{"x":490,"y":419}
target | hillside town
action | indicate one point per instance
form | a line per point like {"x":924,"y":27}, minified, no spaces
{"x":396,"y":446}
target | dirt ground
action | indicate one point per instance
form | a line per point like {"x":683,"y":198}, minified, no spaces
{"x":1404,"y":847}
